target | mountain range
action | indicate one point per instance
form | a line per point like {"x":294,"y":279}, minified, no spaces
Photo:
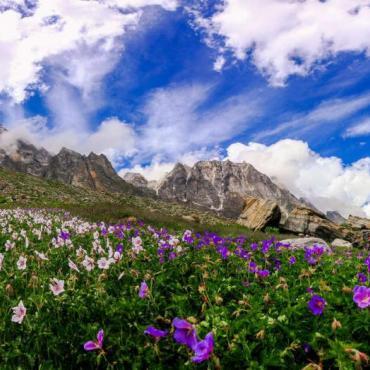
{"x":233,"y":190}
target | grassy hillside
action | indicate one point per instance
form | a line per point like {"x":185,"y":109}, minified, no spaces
{"x":26,"y":191}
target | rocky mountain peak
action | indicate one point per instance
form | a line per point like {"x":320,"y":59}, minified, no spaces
{"x":136,"y":179}
{"x":222,"y":186}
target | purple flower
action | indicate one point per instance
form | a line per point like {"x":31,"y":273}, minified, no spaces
{"x":361,"y":296}
{"x":310,"y":290}
{"x":119,"y":248}
{"x":155,"y":333}
{"x":203,"y":349}
{"x":184,"y":333}
{"x":144,"y":290}
{"x":223,"y":251}
{"x":253,"y":267}
{"x":317,"y":304}
{"x":292,"y":260}
{"x":92,"y":346}
{"x":362,"y":278}
{"x":263,"y":273}
{"x":64,"y":235}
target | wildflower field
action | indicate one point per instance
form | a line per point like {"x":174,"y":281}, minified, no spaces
{"x":76,"y":294}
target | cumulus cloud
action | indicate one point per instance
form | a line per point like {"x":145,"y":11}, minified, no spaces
{"x":359,"y":129}
{"x":324,"y":181}
{"x":73,"y":35}
{"x":113,"y":137}
{"x":286,"y":37}
{"x":178,"y":120}
{"x":156,"y":170}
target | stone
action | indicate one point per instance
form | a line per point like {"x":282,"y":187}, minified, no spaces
{"x":259,"y":213}
{"x":301,"y":243}
{"x":341,"y":243}
{"x":310,"y":222}
{"x":358,"y":223}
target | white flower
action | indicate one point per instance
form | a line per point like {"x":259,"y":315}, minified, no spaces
{"x":19,"y":312}
{"x":136,"y":242}
{"x":72,"y":265}
{"x":103,"y":263}
{"x":22,"y":263}
{"x":9,"y":245}
{"x":41,"y":256}
{"x":1,"y":260}
{"x":88,"y":263}
{"x":137,"y":245}
{"x":57,"y":286}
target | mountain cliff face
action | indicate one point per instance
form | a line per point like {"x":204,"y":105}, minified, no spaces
{"x":93,"y":172}
{"x":223,"y":186}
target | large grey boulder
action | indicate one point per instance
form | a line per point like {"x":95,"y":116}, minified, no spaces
{"x":310,"y":222}
{"x":301,"y":243}
{"x":341,"y":243}
{"x":223,"y":186}
{"x":259,"y":213}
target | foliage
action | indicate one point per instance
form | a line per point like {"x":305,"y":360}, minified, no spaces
{"x":253,"y":297}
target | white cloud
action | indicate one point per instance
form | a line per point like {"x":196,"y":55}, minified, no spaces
{"x":324,"y":181}
{"x":81,"y":38}
{"x":178,"y":120}
{"x":158,"y":169}
{"x":287,"y":37}
{"x":113,"y":137}
{"x":360,"y":129}
{"x":330,"y":111}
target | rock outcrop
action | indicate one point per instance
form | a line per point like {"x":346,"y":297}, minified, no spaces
{"x":26,"y":158}
{"x":358,"y":223}
{"x":223,"y":186}
{"x":336,"y":217}
{"x":136,"y":179}
{"x":309,"y":222}
{"x":259,"y":213}
{"x":93,"y":172}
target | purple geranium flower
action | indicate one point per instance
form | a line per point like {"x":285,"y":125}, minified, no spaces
{"x":92,"y":346}
{"x":361,"y":296}
{"x":155,"y":333}
{"x":263,"y":273}
{"x":317,"y":304}
{"x":184,"y":332}
{"x":292,"y":260}
{"x":203,"y":349}
{"x":144,"y":290}
{"x":362,"y":278}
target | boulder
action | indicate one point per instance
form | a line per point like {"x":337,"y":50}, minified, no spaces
{"x":259,"y":213}
{"x":301,"y":243}
{"x":310,"y":222}
{"x":358,"y":223}
{"x":341,"y":243}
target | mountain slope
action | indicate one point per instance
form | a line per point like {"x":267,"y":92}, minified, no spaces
{"x":93,"y":172}
{"x":222,"y":186}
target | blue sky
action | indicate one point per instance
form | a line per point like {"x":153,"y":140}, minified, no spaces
{"x":152,"y":82}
